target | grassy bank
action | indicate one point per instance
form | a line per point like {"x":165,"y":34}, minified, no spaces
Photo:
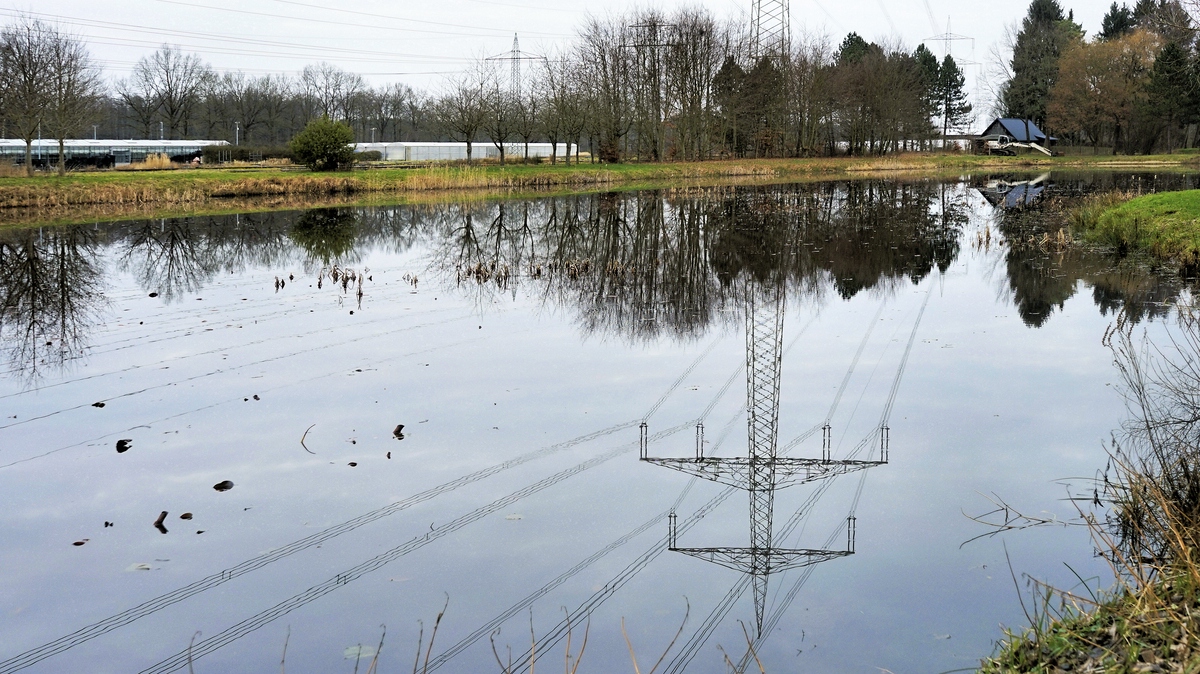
{"x":1153,"y":628}
{"x":1165,"y":224}
{"x":115,"y":194}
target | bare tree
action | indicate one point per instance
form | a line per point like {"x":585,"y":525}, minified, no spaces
{"x":460,"y":111}
{"x":500,"y":119}
{"x":173,"y":80}
{"x":24,"y":75}
{"x":330,"y":90}
{"x":75,"y":89}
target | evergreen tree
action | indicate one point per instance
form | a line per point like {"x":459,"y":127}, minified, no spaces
{"x":853,"y":49}
{"x":929,"y":80}
{"x":956,"y":110}
{"x":1170,"y":96}
{"x":1044,"y":34}
{"x":1117,"y":22}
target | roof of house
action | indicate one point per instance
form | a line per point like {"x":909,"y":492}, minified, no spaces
{"x":1015,"y":128}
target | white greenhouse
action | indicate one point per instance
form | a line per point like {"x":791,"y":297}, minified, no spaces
{"x":458,"y":151}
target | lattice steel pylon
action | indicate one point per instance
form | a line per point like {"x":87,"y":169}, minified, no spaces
{"x":770,"y":29}
{"x":761,"y":471}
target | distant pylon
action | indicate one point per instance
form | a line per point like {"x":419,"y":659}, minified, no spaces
{"x":515,"y":57}
{"x":770,"y":29}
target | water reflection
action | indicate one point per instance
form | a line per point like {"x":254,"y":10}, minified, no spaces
{"x":639,"y":265}
{"x":1043,"y":270}
{"x":52,"y":286}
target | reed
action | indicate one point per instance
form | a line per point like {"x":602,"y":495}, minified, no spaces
{"x":1149,"y":621}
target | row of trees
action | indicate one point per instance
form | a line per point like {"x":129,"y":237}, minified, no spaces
{"x":1134,"y":87}
{"x":647,"y":86}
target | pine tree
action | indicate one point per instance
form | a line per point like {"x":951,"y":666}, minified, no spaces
{"x":929,"y":78}
{"x":853,"y":49}
{"x":1044,"y":34}
{"x":956,"y":110}
{"x":1170,"y":96}
{"x":1117,"y":22}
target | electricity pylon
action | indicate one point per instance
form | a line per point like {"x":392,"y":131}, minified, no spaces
{"x":762,"y":471}
{"x":770,"y":29}
{"x":515,"y":57}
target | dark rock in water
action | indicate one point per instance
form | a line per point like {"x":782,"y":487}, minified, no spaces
{"x":399,"y":432}
{"x":97,"y":404}
{"x":223,"y":485}
{"x":154,"y":294}
{"x":185,"y":516}
{"x":124,"y":445}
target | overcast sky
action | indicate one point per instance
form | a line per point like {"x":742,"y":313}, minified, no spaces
{"x":420,"y":41}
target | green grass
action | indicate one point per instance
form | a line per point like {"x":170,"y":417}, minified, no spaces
{"x":1165,"y":224}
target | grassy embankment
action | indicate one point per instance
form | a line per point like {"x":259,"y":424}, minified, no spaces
{"x":1166,"y":224}
{"x":80,"y":197}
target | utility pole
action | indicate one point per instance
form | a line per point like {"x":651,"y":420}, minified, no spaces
{"x":762,"y":471}
{"x":237,"y":133}
{"x":372,"y":134}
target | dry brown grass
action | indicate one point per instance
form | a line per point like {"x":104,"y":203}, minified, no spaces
{"x":152,"y":162}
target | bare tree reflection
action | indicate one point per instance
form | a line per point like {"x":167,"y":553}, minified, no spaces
{"x":170,"y":256}
{"x":52,"y":292}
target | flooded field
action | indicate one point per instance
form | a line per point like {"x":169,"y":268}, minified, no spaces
{"x":763,"y":413}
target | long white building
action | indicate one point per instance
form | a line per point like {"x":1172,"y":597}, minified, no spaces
{"x":121,"y":151}
{"x":458,"y":151}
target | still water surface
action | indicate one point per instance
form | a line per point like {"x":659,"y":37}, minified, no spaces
{"x":521,"y":344}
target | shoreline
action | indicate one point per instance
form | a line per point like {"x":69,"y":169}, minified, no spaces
{"x":122,"y":195}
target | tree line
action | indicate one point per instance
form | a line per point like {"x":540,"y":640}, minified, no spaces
{"x":1134,"y":86}
{"x":647,"y":85}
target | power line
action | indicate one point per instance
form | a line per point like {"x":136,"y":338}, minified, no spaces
{"x":338,"y":23}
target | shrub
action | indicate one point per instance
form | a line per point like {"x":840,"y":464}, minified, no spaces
{"x":369,"y":155}
{"x":324,"y":145}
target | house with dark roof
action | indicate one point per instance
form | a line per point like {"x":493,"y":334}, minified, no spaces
{"x":1018,"y":130}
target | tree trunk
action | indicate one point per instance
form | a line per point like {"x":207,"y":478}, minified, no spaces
{"x":62,"y":159}
{"x":29,"y":158}
{"x":468,"y":153}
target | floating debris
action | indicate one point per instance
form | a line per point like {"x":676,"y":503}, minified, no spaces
{"x":223,"y":485}
{"x":154,"y":294}
{"x":256,"y":397}
{"x":97,"y":404}
{"x":123,"y":445}
{"x":398,"y":433}
{"x":141,"y":566}
{"x":389,"y":455}
{"x":108,"y":524}
{"x":353,"y":464}
{"x":158,"y":523}
{"x":358,"y":652}
{"x":185,"y":516}
{"x":81,"y":542}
